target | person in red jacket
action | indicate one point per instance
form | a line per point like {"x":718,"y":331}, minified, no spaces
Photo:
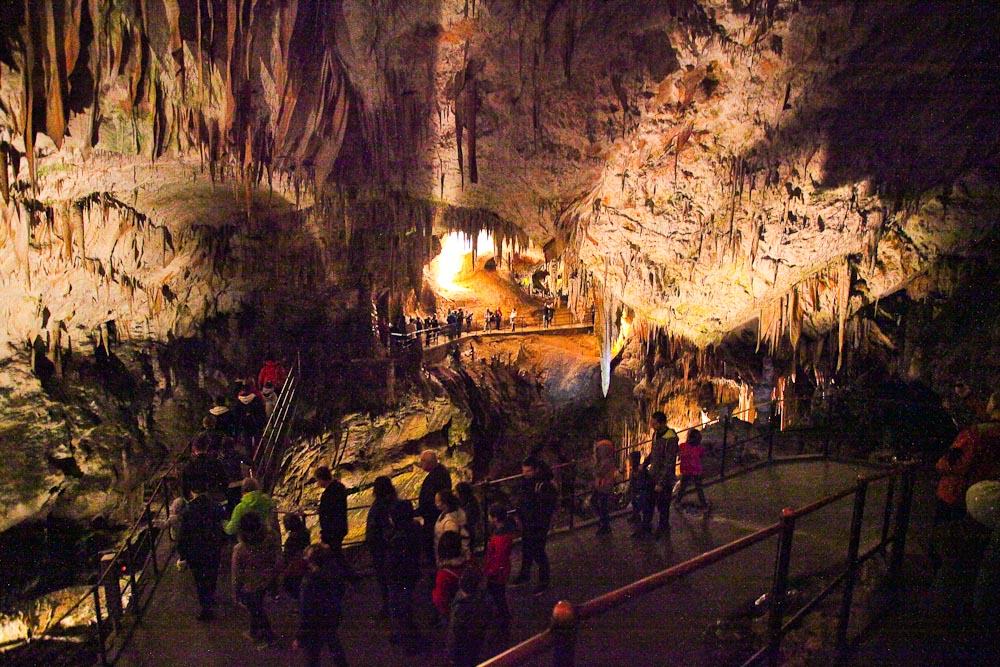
{"x":273,"y":372}
{"x":974,"y":456}
{"x":691,"y":452}
{"x":497,"y":565}
{"x":451,"y":563}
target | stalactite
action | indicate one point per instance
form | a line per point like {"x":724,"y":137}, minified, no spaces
{"x":843,"y":302}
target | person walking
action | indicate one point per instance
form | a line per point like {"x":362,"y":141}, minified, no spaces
{"x":294,"y":566}
{"x":332,"y":512}
{"x":402,"y":564}
{"x":199,"y":543}
{"x":320,"y":608}
{"x":691,"y":452}
{"x":496,"y":567}
{"x":378,"y":529}
{"x":605,"y":477}
{"x":254,"y":570}
{"x":513,"y":318}
{"x":203,"y":471}
{"x":257,"y":502}
{"x":659,"y":465}
{"x":438,"y":479}
{"x":468,"y":625}
{"x":536,"y":505}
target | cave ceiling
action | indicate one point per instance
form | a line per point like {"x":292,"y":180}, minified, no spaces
{"x":702,"y":163}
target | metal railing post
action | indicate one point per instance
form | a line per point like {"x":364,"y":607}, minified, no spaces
{"x":829,"y":426}
{"x":890,"y":499}
{"x":725,"y":446}
{"x":130,"y":548}
{"x":151,"y":539}
{"x":770,"y":441}
{"x":112,"y":588}
{"x":101,"y":647}
{"x":564,"y":631}
{"x":902,"y":525}
{"x":852,"y":564}
{"x":779,"y":590}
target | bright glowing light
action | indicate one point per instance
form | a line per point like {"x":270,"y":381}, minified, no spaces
{"x":455,"y":250}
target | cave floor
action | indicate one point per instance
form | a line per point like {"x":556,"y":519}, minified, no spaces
{"x":703,"y":619}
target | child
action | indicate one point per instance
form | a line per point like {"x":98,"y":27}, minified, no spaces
{"x":497,"y":566}
{"x":321,"y":607}
{"x":297,"y":540}
{"x":451,"y":563}
{"x":605,"y":476}
{"x":468,"y":620}
{"x":690,"y":455}
{"x":637,"y":486}
{"x":253,"y":570}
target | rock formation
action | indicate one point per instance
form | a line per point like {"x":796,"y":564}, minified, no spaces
{"x":244,"y":171}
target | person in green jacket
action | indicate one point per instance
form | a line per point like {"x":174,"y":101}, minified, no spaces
{"x":254,"y":500}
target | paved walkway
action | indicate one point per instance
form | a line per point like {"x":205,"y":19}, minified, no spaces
{"x":704,"y":619}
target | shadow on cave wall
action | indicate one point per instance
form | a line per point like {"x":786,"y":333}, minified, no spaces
{"x":915,"y":101}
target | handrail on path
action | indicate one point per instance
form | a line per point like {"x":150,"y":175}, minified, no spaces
{"x":561,"y":636}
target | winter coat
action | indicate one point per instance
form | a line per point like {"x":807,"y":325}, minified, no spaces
{"x":321,"y":601}
{"x":293,"y":553}
{"x":438,"y":479}
{"x":256,"y":562}
{"x":204,"y":472}
{"x":537,"y":502}
{"x":201,"y":538}
{"x":378,"y":528}
{"x":496,"y":567}
{"x":250,"y":415}
{"x":662,"y":459}
{"x":272,"y":372}
{"x":973,"y":457}
{"x":254,"y":501}
{"x":605,"y":467}
{"x":691,"y":458}
{"x":333,"y":513}
{"x":454,"y":521}
{"x":470,"y":613}
{"x":402,"y":559}
{"x":446,"y":584}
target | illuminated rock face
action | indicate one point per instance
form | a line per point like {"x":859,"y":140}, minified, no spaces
{"x":705,"y":163}
{"x":708,"y":162}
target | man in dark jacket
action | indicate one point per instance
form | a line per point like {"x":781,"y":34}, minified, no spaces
{"x":536,"y":504}
{"x":332,"y":509}
{"x":659,"y":465}
{"x":200,"y":543}
{"x":203,"y":471}
{"x":402,"y":564}
{"x":438,"y":479}
{"x":321,"y":603}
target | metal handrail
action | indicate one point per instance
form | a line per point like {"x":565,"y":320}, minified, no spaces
{"x":561,"y":635}
{"x":278,"y":420}
{"x":109,"y":576}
